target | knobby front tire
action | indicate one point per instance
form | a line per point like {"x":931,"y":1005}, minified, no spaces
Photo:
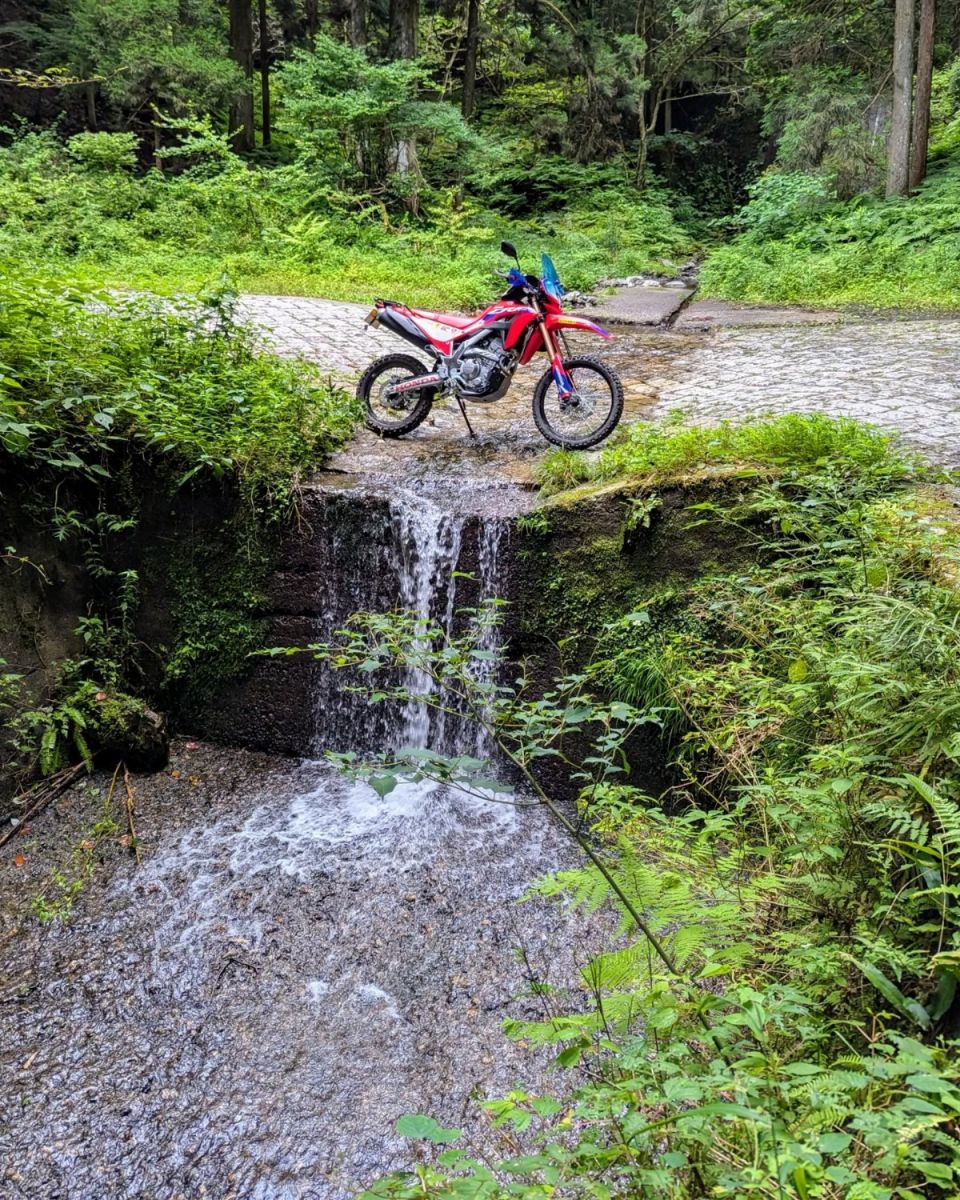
{"x":394,"y":420}
{"x":572,"y":427}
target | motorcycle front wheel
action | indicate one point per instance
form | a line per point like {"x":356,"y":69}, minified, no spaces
{"x":389,"y":413}
{"x":589,"y":415}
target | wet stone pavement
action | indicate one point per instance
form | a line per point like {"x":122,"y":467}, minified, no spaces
{"x":901,"y":374}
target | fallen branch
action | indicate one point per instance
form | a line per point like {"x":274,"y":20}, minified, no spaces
{"x":134,"y":844}
{"x":47,"y":792}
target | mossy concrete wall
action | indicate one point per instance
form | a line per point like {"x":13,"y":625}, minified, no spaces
{"x":211,"y":590}
{"x":592,"y":553}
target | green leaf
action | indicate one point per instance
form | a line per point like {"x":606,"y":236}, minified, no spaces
{"x":933,"y":1085}
{"x":833,"y":1142}
{"x":797,"y":671}
{"x":943,"y":996}
{"x":936,"y":1171}
{"x":890,"y":992}
{"x":426,"y":1129}
{"x":383,"y":784}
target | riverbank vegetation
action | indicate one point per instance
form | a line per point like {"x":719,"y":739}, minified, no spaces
{"x":781,"y":1016}
{"x":110,"y":409}
{"x":370,"y":149}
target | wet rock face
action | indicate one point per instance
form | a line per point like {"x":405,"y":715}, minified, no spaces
{"x":363,"y":544}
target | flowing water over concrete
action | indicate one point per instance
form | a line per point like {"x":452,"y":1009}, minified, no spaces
{"x":296,"y":964}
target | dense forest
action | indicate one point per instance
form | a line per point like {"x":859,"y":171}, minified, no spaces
{"x":807,"y":150}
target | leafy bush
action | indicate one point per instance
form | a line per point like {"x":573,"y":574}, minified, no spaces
{"x":88,"y":377}
{"x":885,"y":253}
{"x":777,"y":198}
{"x":346,"y":114}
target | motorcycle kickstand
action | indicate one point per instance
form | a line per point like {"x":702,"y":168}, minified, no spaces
{"x":463,"y":413}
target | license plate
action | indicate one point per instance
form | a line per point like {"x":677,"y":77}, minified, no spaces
{"x":371,"y":316}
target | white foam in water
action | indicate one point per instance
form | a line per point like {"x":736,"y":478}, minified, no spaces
{"x":336,"y":814}
{"x":317,"y":988}
{"x":332,"y":820}
{"x":370,"y":994}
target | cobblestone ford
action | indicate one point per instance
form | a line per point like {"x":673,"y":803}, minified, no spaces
{"x":903,"y":375}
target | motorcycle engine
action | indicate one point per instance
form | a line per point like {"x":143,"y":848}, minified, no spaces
{"x":483,"y":369}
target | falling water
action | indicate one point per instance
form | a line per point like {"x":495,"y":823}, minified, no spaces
{"x":436,"y":549}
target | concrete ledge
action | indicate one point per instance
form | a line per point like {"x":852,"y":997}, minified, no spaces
{"x":720,"y":314}
{"x":638,"y":305}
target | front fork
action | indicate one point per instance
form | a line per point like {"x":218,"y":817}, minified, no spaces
{"x":564,"y":383}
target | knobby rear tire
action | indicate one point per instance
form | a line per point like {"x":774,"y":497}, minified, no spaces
{"x":603,"y":431}
{"x":422,"y":399}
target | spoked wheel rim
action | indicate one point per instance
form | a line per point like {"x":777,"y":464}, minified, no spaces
{"x":390,"y":409}
{"x":579,"y":417}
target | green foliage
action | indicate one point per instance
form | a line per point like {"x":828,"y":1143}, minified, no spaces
{"x":778,"y":197}
{"x":791,"y":930}
{"x":817,"y":116}
{"x":88,"y":378}
{"x":102,"y":398}
{"x":214,"y":581}
{"x":345,"y":114}
{"x":84,"y":711}
{"x":325,"y":224}
{"x":65,"y":883}
{"x":652,"y":451}
{"x":171,"y":54}
{"x":885,"y":253}
{"x":45,"y":738}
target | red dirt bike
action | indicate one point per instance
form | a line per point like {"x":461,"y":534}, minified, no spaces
{"x":576,"y":403}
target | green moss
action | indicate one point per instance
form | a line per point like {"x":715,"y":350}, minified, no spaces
{"x":211,"y":583}
{"x":581,"y":588}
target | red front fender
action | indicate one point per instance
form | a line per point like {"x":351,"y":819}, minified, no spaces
{"x":566,"y":321}
{"x":554,"y":322}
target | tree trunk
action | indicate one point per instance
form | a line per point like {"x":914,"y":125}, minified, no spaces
{"x":470,"y":61}
{"x":265,"y":131}
{"x":403,"y":28}
{"x":898,"y":147}
{"x":241,"y":51}
{"x":403,"y":44}
{"x":90,"y":99}
{"x":921,"y":103}
{"x":358,"y":23}
{"x":312,"y":11}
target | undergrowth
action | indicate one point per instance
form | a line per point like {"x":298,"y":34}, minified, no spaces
{"x":870,"y":251}
{"x":86,"y":377}
{"x":672,"y":449}
{"x":94,"y":218}
{"x":110,"y":407}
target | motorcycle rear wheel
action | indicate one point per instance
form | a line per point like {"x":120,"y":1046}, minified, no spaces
{"x":394,"y":416}
{"x":587,"y":417}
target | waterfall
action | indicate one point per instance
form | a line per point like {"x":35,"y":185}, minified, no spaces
{"x":298,"y":960}
{"x":433,"y":558}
